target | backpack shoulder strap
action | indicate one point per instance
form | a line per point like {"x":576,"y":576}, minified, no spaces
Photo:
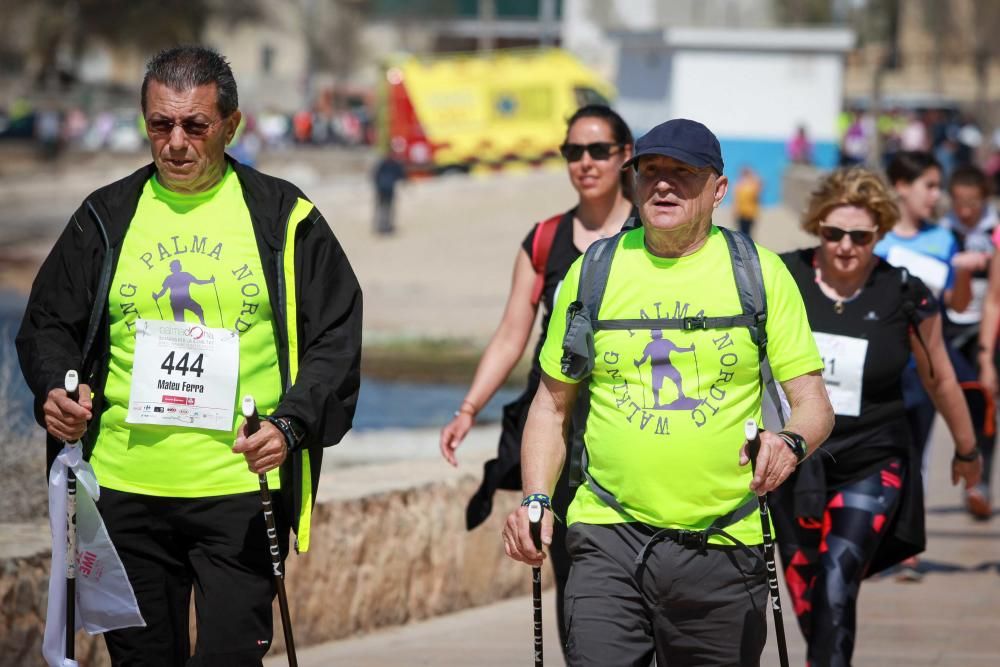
{"x":910,"y":310}
{"x":594,"y":271}
{"x":753,"y":299}
{"x":541,"y":245}
{"x":749,"y":281}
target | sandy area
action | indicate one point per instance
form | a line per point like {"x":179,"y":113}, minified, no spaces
{"x":447,"y":271}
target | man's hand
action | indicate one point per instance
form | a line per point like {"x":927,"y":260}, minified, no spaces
{"x":517,"y":542}
{"x":264,"y":450}
{"x":775,"y":462}
{"x":65,"y":418}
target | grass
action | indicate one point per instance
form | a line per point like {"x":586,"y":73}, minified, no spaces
{"x":430,"y":360}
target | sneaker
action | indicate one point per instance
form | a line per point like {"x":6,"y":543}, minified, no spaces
{"x":978,"y":503}
{"x":909,"y":571}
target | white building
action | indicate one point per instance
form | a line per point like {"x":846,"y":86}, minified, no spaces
{"x":752,"y":86}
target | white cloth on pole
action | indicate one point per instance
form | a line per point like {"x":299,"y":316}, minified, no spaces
{"x":104,"y":597}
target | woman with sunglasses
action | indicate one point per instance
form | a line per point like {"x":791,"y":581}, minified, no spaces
{"x":931,"y":253}
{"x":597,"y":144}
{"x":856,"y":506}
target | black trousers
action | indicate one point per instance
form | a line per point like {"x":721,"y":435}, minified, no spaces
{"x":216,"y":547}
{"x":686,"y":607}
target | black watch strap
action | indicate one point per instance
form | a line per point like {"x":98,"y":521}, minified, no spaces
{"x":968,"y":458}
{"x":291,"y":429}
{"x":796,"y":443}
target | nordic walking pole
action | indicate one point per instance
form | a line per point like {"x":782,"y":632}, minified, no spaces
{"x":753,"y":447}
{"x":535,"y":511}
{"x":72,"y":386}
{"x":253,"y":425}
{"x":218,"y":303}
{"x":156,"y":300}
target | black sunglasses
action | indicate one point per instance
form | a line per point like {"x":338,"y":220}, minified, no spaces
{"x":192,"y":128}
{"x":601,"y":150}
{"x":835,"y":234}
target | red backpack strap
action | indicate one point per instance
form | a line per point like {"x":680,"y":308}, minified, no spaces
{"x":541,"y":244}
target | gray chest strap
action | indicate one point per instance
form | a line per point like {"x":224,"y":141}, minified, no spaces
{"x":691,"y":539}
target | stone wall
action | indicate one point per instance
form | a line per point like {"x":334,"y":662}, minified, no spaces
{"x":389,"y":546}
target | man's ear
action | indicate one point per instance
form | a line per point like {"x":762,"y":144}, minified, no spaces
{"x":232,"y":124}
{"x":721,"y":188}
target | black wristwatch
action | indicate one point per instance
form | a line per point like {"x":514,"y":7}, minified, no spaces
{"x":796,"y":443}
{"x":291,"y":429}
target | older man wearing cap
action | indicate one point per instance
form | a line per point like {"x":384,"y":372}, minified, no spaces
{"x":666,"y":549}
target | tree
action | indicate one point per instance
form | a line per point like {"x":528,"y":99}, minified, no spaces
{"x":331,"y":29}
{"x":985,"y":48}
{"x":60,"y":31}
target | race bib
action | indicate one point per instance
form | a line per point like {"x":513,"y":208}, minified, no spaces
{"x":843,"y":370}
{"x":184,"y":375}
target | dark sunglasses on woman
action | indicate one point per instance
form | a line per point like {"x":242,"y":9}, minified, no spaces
{"x":835,"y":234}
{"x":601,"y":150}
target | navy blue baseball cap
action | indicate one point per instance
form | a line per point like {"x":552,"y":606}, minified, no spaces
{"x":686,"y":140}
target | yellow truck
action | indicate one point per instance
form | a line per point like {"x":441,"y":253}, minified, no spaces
{"x":463,"y":112}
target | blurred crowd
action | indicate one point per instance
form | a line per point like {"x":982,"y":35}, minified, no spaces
{"x":56,"y":127}
{"x":954,"y":137}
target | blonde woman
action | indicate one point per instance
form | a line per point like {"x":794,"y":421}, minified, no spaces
{"x":858,"y":509}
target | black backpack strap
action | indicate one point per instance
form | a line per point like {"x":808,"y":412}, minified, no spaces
{"x":594,"y":273}
{"x":693,"y":539}
{"x":910,"y":310}
{"x":577,"y":360}
{"x":577,"y":449}
{"x":753,"y":299}
{"x":681,"y":323}
{"x":578,"y":342}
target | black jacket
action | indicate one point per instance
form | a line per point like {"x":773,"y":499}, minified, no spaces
{"x":65,"y":325}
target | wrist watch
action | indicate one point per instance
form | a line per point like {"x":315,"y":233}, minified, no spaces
{"x":292,"y":431}
{"x":796,"y":443}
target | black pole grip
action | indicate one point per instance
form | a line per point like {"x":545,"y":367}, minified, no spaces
{"x":752,"y":434}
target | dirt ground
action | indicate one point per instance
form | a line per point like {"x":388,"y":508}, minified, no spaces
{"x":445,"y":274}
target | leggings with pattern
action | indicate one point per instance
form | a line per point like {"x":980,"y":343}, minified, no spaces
{"x":826,"y":560}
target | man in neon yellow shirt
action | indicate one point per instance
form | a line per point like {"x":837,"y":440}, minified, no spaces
{"x":262,"y":301}
{"x":664,"y":434}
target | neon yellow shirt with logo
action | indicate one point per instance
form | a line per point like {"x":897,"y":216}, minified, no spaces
{"x":667,"y":408}
{"x":190,"y":258}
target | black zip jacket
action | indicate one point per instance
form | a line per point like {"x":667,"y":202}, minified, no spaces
{"x":66,"y":326}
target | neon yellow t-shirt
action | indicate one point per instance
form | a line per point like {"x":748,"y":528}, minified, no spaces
{"x":175,"y":246}
{"x":667,"y":408}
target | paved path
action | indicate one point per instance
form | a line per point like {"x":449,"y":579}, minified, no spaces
{"x":950,"y":619}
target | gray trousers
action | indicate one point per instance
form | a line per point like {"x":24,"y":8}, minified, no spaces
{"x":689,"y":609}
